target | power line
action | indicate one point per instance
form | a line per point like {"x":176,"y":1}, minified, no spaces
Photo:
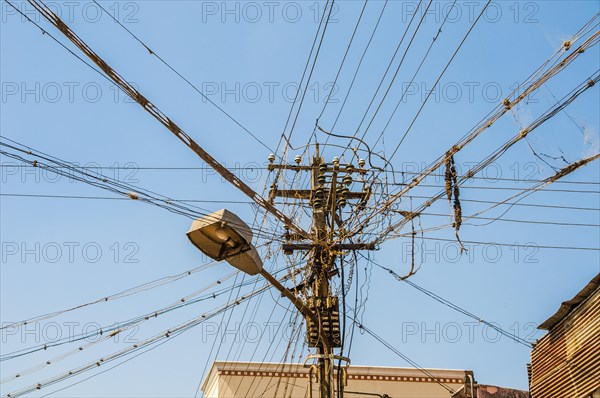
{"x":117,"y":327}
{"x":44,"y":32}
{"x":390,"y":85}
{"x":20,"y":195}
{"x":455,"y":307}
{"x":496,"y":188}
{"x":135,"y":167}
{"x":248,"y":202}
{"x":122,"y":326}
{"x":126,"y":191}
{"x":314,"y":43}
{"x":525,"y":246}
{"x":280,"y":323}
{"x":344,"y":58}
{"x":152,"y":52}
{"x":361,"y":326}
{"x":161,"y":117}
{"x":521,"y":195}
{"x":416,"y":71}
{"x":565,"y":224}
{"x":567,"y":100}
{"x":358,"y":67}
{"x":115,"y":296}
{"x":542,"y":75}
{"x":310,"y":73}
{"x":537,"y":205}
{"x":101,"y":181}
{"x":165,"y":335}
{"x":438,"y":80}
{"x":493,"y":179}
{"x":106,"y":370}
{"x":47,"y":196}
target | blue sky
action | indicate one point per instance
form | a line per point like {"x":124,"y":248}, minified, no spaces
{"x":248,"y":58}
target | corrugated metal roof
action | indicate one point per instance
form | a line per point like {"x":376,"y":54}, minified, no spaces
{"x":567,"y":306}
{"x":566,"y":361}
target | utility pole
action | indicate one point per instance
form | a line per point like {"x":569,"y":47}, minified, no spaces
{"x":329,"y":193}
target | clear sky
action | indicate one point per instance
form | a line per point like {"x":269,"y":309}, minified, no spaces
{"x":248,"y":58}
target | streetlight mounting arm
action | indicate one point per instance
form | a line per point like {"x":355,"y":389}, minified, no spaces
{"x":291,"y":296}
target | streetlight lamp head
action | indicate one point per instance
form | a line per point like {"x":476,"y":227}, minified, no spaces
{"x":224,"y":236}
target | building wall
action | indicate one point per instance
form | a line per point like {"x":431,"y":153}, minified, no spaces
{"x":228,"y":380}
{"x":566,"y":361}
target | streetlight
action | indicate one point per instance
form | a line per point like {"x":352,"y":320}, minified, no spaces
{"x":222,"y":235}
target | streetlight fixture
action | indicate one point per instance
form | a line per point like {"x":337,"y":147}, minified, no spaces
{"x":222,"y":235}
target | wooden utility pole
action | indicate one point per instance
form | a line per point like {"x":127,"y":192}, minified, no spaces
{"x":322,"y":263}
{"x":328,"y":194}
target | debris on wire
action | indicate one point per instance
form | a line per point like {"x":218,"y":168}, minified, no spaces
{"x":453,"y":194}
